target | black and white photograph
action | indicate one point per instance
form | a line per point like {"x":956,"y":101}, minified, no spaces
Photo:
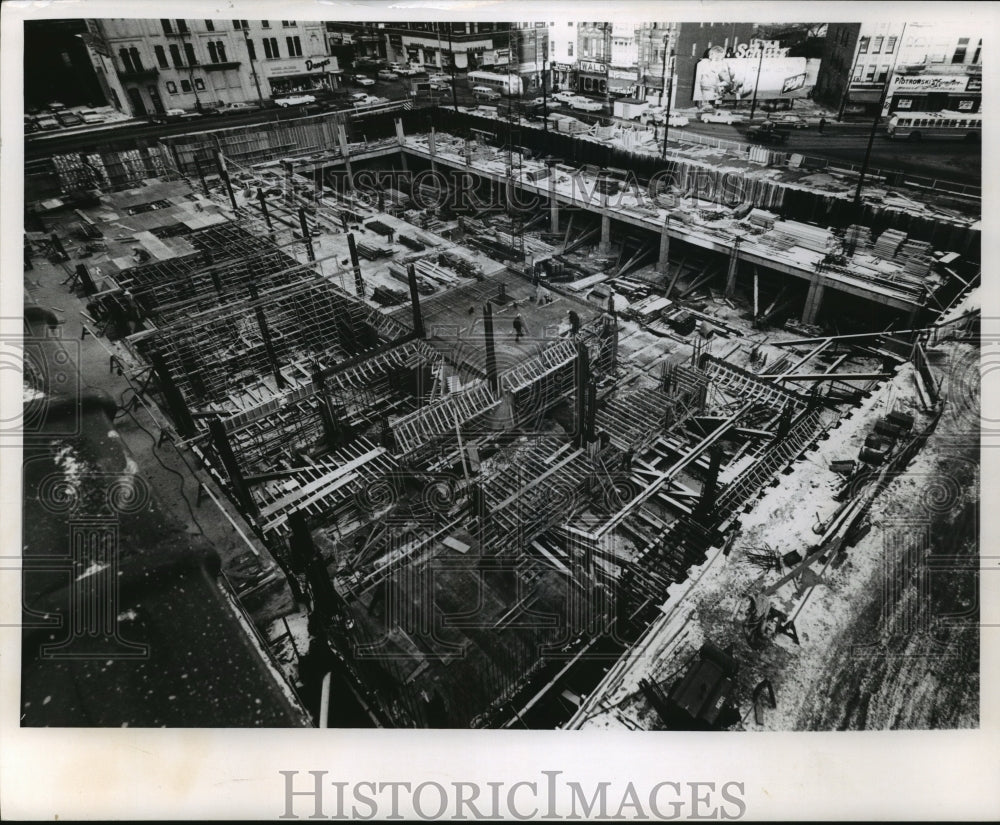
{"x":473,"y":374}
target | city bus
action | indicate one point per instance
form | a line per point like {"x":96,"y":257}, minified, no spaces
{"x":506,"y":84}
{"x":920,"y":125}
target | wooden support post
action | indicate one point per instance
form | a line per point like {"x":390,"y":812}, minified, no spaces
{"x":734,"y":262}
{"x":220,"y":163}
{"x":582,"y":380}
{"x":306,"y":233}
{"x":418,"y":320}
{"x":220,"y":439}
{"x":756,"y":293}
{"x":201,"y":176}
{"x":491,"y":355}
{"x":265,"y":334}
{"x":814,"y":299}
{"x":359,"y":282}
{"x":173,"y":396}
{"x":708,"y":490}
{"x":89,"y":288}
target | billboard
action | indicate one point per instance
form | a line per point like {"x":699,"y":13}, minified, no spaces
{"x":719,"y":78}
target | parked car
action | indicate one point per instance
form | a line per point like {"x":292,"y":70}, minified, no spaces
{"x":565,"y":96}
{"x":370,"y":100}
{"x":544,"y":101}
{"x":385,"y":74}
{"x":47,"y":122}
{"x":439,"y":77}
{"x":585,"y":104}
{"x":789,"y":121}
{"x":721,"y":117}
{"x":358,"y":97}
{"x":68,"y":119}
{"x":237,"y":108}
{"x":92,"y":117}
{"x":363,"y":80}
{"x":767,"y":132}
{"x":294,"y":100}
{"x":30,"y":125}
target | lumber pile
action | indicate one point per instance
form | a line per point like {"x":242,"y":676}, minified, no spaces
{"x":424,"y":286}
{"x":858,"y":236}
{"x":888,"y":243}
{"x":372,"y":252}
{"x":794,"y":233}
{"x":762,"y":218}
{"x":460,"y":264}
{"x":916,"y":257}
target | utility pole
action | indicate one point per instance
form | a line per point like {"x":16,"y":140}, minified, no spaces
{"x":253,"y":66}
{"x":874,"y":129}
{"x":760,"y":65}
{"x":670,"y":94}
{"x":663,"y":84}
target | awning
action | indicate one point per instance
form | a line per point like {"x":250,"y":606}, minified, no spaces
{"x":872,"y":96}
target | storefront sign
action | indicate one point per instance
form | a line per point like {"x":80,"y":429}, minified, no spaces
{"x":592,"y":67}
{"x":929,"y":83}
{"x":975,"y":84}
{"x":793,"y":83}
{"x":966,"y":105}
{"x":563,"y":67}
{"x":312,"y":66}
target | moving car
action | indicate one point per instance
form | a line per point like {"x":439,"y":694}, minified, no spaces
{"x":485,"y":93}
{"x":47,"y":122}
{"x":439,"y":77}
{"x":385,"y":74}
{"x":69,"y":119}
{"x":767,"y":132}
{"x":789,"y":121}
{"x":585,"y":104}
{"x":565,"y":96}
{"x":363,"y":80}
{"x":294,"y":100}
{"x":92,"y":117}
{"x":544,"y":101}
{"x":369,"y":100}
{"x":721,"y":117}
{"x":237,"y":108}
{"x":678,"y":120}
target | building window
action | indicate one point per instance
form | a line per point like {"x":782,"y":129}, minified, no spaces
{"x":877,"y":45}
{"x":869,"y":74}
{"x":288,"y":24}
{"x":185,"y":85}
{"x":189,"y":54}
{"x":168,"y":27}
{"x":694,"y":50}
{"x":863,"y":45}
{"x":210,"y":25}
{"x":961,"y":50}
{"x":569,"y":49}
{"x":217,"y":51}
{"x":265,"y":24}
{"x":241,"y":24}
{"x":199,"y":84}
{"x":294,"y":46}
{"x":182,"y":26}
{"x":979,"y":49}
{"x":126,"y":59}
{"x":171,"y":87}
{"x":251,"y":51}
{"x":161,"y":57}
{"x":883,"y":72}
{"x":271,"y":47}
{"x":890,"y":45}
{"x":175,"y":55}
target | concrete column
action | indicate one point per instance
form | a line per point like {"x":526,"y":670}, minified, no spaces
{"x":399,"y":131}
{"x":605,"y":244}
{"x":432,"y":147}
{"x":814,"y":299}
{"x":346,"y":152}
{"x":553,"y":214}
{"x":663,"y":264}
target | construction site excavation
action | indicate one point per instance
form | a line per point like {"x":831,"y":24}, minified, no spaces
{"x":507,"y":427}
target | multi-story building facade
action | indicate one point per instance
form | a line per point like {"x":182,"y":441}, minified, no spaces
{"x":915,"y":66}
{"x":440,"y":45}
{"x":656,"y":46}
{"x":562,"y":38}
{"x":191,"y":64}
{"x":529,"y":55}
{"x":594,"y":56}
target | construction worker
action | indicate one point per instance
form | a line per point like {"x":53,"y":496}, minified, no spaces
{"x":822,"y":124}
{"x":518,"y":327}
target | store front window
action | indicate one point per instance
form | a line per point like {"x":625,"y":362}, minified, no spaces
{"x":302,"y":83}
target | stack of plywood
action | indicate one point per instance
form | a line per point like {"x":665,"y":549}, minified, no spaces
{"x":762,"y":218}
{"x":916,"y":257}
{"x":858,"y":236}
